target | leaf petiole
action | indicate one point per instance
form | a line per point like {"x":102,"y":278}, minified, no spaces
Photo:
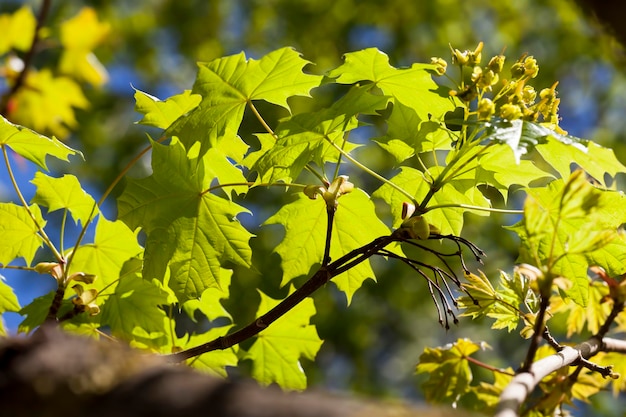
{"x":372,"y":173}
{"x":40,"y":229}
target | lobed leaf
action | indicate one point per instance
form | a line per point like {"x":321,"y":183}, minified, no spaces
{"x":8,"y":303}
{"x":32,"y":145}
{"x":568,"y":224}
{"x":162,"y":114}
{"x":355,"y":224}
{"x":413,"y":87}
{"x":307,"y":137}
{"x":19,"y":231}
{"x":64,"y":193}
{"x":133,"y":310}
{"x":449,"y":374}
{"x":277,"y":351}
{"x":189,"y":230}
{"x":216,"y":361}
{"x":228,"y":84}
{"x":114,"y":244}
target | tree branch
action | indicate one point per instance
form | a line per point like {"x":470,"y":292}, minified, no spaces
{"x":514,"y":395}
{"x":321,"y":277}
{"x":28,"y":58}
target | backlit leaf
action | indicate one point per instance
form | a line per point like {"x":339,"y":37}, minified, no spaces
{"x":64,"y":193}
{"x":18,"y":30}
{"x":449,"y":374}
{"x":449,"y":220}
{"x":49,"y":104}
{"x":32,"y":145}
{"x":8,"y":302}
{"x":189,"y":230}
{"x":216,"y":361}
{"x":20,"y":237}
{"x":578,"y":214}
{"x":355,"y":224}
{"x":114,"y":244}
{"x":277,"y":350}
{"x":228,"y":84}
{"x":162,"y":114}
{"x":79,"y":36}
{"x":307,"y":136}
{"x":133,"y":310}
{"x":412,"y":87}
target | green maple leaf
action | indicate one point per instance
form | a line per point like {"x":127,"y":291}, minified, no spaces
{"x":20,"y":235}
{"x":64,"y":193}
{"x":37,"y":311}
{"x":449,"y":374}
{"x":132,"y":311}
{"x":8,"y":302}
{"x":355,"y":224}
{"x":277,"y":350}
{"x":449,"y":220}
{"x":594,"y":159}
{"x":498,"y":167}
{"x":189,"y":230}
{"x":209,"y":303}
{"x":114,"y":244}
{"x":228,"y":84}
{"x":502,"y":304}
{"x":558,"y":150}
{"x":31,"y":145}
{"x":216,"y":361}
{"x":308,"y":136}
{"x":408,"y":134}
{"x":162,"y":114}
{"x":568,"y":224}
{"x":413,"y":87}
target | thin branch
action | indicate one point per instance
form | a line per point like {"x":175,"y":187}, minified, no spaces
{"x":320,"y":278}
{"x":330,"y":214}
{"x":537,"y":335}
{"x":28,"y":58}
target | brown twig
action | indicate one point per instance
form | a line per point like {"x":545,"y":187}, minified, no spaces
{"x":321,"y":277}
{"x":28,"y":58}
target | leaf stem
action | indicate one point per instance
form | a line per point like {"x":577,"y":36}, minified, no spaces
{"x":487,"y":366}
{"x":372,"y":173}
{"x":471,"y":207}
{"x":126,"y":169}
{"x":260,"y":118}
{"x":40,"y":229}
{"x":252,"y":184}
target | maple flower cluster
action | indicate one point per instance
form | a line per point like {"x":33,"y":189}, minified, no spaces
{"x":511,"y":98}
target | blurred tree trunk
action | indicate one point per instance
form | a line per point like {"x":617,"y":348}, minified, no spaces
{"x":55,"y":374}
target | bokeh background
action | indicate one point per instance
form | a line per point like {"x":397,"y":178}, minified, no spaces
{"x":372,"y":346}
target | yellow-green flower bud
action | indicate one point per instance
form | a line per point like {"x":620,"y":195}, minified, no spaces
{"x":474,"y":57}
{"x":528,"y":95}
{"x":530,"y":67}
{"x":488,"y":79}
{"x":459,"y":57}
{"x":485,"y":109}
{"x":440,"y":65}
{"x":510,"y":112}
{"x":496,"y":63}
{"x":477,"y":74}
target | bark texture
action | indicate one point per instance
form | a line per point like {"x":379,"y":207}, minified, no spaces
{"x":56,"y":374}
